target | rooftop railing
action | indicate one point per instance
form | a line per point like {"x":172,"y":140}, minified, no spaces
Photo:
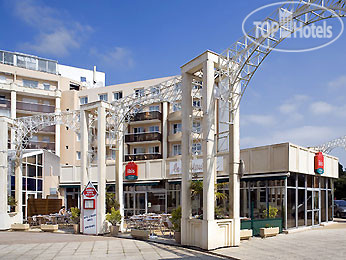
{"x":28,"y":62}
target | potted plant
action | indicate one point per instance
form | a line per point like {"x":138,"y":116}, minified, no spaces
{"x":114,"y":218}
{"x":176,"y":221}
{"x":75,"y":217}
{"x":269,"y":230}
{"x":11,"y":202}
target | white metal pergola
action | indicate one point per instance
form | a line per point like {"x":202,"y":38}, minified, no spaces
{"x":229,"y":78}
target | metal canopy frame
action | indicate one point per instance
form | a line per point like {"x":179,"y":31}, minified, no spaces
{"x":331,"y":145}
{"x":236,"y":66}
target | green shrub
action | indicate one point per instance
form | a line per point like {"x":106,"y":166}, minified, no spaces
{"x":272,"y":212}
{"x":176,"y":219}
{"x":114,"y":217}
{"x":11,"y":201}
{"x":75,"y":215}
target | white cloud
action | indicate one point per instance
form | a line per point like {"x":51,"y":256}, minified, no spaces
{"x":321,"y":108}
{"x":338,"y":83}
{"x":292,"y":108}
{"x":262,"y":120}
{"x":57,"y":33}
{"x":118,"y":57}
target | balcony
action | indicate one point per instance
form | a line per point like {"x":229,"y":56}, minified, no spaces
{"x":33,"y":107}
{"x":48,"y":129}
{"x":40,"y":145}
{"x":5,"y":104}
{"x":141,"y":157}
{"x":143,"y":137}
{"x":152,"y":115}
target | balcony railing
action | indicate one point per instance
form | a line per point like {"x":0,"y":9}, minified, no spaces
{"x":140,"y":157}
{"x":143,"y":137}
{"x":147,"y":116}
{"x":5,"y":104}
{"x":33,"y":107}
{"x":28,"y":62}
{"x":40,"y":145}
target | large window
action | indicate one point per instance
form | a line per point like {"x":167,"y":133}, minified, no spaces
{"x":176,"y":128}
{"x":103,"y":97}
{"x":138,"y":150}
{"x":139,"y":92}
{"x":176,"y":148}
{"x":176,"y":107}
{"x":196,"y":148}
{"x":30,"y":83}
{"x":196,"y":126}
{"x":83,"y":100}
{"x":154,"y":149}
{"x":117,"y":95}
{"x":154,"y":128}
{"x":154,"y":108}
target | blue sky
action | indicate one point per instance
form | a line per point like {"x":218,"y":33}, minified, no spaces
{"x":296,"y":97}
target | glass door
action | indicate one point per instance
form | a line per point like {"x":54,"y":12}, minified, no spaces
{"x":140,"y":203}
{"x":129,"y":204}
{"x":313,"y":207}
{"x":316,"y":213}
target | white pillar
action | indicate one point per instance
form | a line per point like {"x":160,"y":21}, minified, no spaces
{"x":119,"y":173}
{"x":101,"y":168}
{"x":208,"y":149}
{"x":3,"y":166}
{"x":164,"y":144}
{"x":185,"y":158}
{"x":13,"y":115}
{"x":19,"y":185}
{"x":234,"y":180}
{"x":84,"y":122}
{"x":57,"y":127}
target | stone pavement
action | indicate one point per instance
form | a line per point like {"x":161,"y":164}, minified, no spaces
{"x":31,"y":245}
{"x":327,"y":242}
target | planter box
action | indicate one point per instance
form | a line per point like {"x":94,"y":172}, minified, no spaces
{"x":20,"y":227}
{"x":245,"y":234}
{"x":114,"y":230}
{"x":76,"y":228}
{"x":256,"y":224}
{"x":140,"y":234}
{"x":49,"y":228}
{"x":177,"y":237}
{"x":269,"y":232}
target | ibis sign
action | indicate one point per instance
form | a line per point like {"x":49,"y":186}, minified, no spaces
{"x":131,"y":171}
{"x":319,"y":163}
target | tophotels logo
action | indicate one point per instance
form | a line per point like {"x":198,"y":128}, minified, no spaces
{"x":290,"y":24}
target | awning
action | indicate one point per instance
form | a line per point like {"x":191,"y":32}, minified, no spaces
{"x":142,"y":183}
{"x":265,"y":176}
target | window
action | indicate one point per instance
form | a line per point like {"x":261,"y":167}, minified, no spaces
{"x":46,"y":139}
{"x":154,"y":108}
{"x":113,"y":154}
{"x":78,"y":137}
{"x":139,"y":92}
{"x":176,"y":128}
{"x":103,"y":97}
{"x":82,"y":79}
{"x":154,"y":149}
{"x":138,"y":150}
{"x":176,"y":107}
{"x":138,"y":130}
{"x":196,"y":127}
{"x":46,"y":86}
{"x":78,"y":155}
{"x":83,"y":100}
{"x":2,"y":79}
{"x":196,"y":148}
{"x":196,"y":103}
{"x":154,"y":128}
{"x":176,"y":149}
{"x":117,"y":95}
{"x":30,"y":83}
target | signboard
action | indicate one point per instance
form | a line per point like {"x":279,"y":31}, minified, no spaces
{"x":175,"y":167}
{"x":319,"y":163}
{"x":89,"y":196}
{"x":197,"y":166}
{"x":131,"y":171}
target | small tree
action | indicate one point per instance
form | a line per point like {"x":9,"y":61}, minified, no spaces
{"x":114,"y":217}
{"x":176,"y":219}
{"x":111,"y":202}
{"x":75,"y":215}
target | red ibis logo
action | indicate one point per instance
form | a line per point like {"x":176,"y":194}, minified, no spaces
{"x":319,"y":163}
{"x":131,"y":171}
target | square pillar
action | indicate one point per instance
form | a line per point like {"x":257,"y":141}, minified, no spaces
{"x":119,"y":173}
{"x":57,"y":127}
{"x":84,"y":131}
{"x":208,"y":142}
{"x":13,"y":115}
{"x":164,"y":143}
{"x":3,"y":166}
{"x":186,"y":157}
{"x":101,"y":168}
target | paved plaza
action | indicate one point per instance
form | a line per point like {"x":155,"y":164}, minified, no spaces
{"x":318,"y":243}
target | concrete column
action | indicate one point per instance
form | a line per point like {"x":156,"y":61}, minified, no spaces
{"x":3,"y":166}
{"x":119,"y":173}
{"x":84,"y":123}
{"x":101,"y":167}
{"x":19,"y":185}
{"x":57,"y":127}
{"x":186,"y":157}
{"x":208,"y":149}
{"x":234,"y":180}
{"x":13,"y":115}
{"x":164,"y":144}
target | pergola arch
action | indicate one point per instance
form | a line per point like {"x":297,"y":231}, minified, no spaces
{"x":328,"y":147}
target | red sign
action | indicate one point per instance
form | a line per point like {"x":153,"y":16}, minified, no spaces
{"x":319,"y":163}
{"x":131,"y":171}
{"x":90,"y":192}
